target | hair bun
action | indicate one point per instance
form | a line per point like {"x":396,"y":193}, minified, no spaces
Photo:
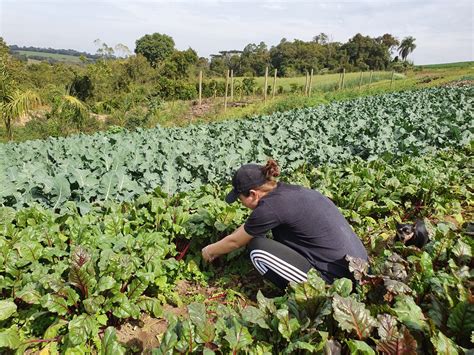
{"x":271,"y":169}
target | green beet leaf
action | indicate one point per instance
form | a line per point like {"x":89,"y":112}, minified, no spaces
{"x":409,"y":313}
{"x":9,"y":338}
{"x":238,"y":336}
{"x":461,"y":320}
{"x":55,"y":304}
{"x":342,"y":287}
{"x":444,"y":345}
{"x":462,"y":251}
{"x":81,"y":328}
{"x":358,"y":347}
{"x":54,"y":328}
{"x":266,"y":304}
{"x":136,"y":288}
{"x":286,"y":325}
{"x":7,"y":308}
{"x":29,"y":296}
{"x":93,"y":305}
{"x":352,"y":315}
{"x":255,"y":316}
{"x":293,"y":347}
{"x":204,"y":329}
{"x":150,"y":305}
{"x":109,"y":344}
{"x":167,"y":343}
{"x":105,"y":283}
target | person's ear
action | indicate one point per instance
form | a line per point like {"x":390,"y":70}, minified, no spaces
{"x":253,"y":193}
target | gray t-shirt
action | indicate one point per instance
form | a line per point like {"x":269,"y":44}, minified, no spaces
{"x":310,"y":223}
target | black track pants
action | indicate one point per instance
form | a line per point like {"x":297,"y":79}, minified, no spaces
{"x":277,"y":262}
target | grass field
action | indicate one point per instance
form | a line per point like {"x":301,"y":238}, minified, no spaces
{"x":59,"y":57}
{"x":328,"y":82}
{"x":324,"y":82}
{"x":448,"y":65}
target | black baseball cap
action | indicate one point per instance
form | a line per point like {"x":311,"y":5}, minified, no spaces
{"x":247,"y":177}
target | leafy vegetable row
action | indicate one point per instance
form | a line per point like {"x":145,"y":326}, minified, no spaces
{"x":118,"y":167}
{"x":416,"y":302}
{"x":66,"y":279}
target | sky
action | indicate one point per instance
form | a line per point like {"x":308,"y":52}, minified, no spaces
{"x":443,"y":29}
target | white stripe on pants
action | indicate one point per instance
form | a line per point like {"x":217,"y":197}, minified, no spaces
{"x":263,"y":261}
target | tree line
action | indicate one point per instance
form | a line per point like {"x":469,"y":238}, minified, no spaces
{"x":297,"y":57}
{"x":290,"y":58}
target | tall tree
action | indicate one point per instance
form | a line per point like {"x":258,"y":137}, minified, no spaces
{"x":388,"y":41}
{"x":406,"y":47}
{"x":322,"y":38}
{"x":104,"y":51}
{"x":155,"y":48}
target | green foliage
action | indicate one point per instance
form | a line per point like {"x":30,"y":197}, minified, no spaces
{"x":74,"y":270}
{"x":155,"y":48}
{"x":91,"y":272}
{"x":122,"y":166}
{"x":13,"y":101}
{"x":82,"y":87}
{"x":407,"y":45}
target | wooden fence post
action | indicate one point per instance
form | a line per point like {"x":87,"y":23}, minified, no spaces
{"x":360,"y":80}
{"x":310,"y":82}
{"x":232,"y":85}
{"x":226,"y":89}
{"x":200,"y":87}
{"x":370,"y":79}
{"x":265,"y":85}
{"x":343,"y":77}
{"x":391,"y":80}
{"x":306,"y":84}
{"x":274,"y":84}
{"x":339,"y":81}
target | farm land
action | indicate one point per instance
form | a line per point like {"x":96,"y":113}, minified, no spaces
{"x":100,"y":235}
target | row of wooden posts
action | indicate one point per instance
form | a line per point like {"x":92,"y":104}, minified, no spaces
{"x":307,"y":87}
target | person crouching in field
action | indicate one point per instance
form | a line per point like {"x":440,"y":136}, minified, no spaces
{"x":308,"y":229}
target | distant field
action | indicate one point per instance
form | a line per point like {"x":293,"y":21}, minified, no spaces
{"x":55,"y":56}
{"x":325,"y":82}
{"x":448,"y":65}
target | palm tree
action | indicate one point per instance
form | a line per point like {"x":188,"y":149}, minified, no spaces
{"x":406,"y":47}
{"x":69,"y":108}
{"x":14,"y":103}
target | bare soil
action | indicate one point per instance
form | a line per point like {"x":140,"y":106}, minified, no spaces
{"x":460,"y":83}
{"x":142,"y":335}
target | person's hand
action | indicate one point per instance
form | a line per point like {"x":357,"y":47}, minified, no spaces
{"x":206,"y":255}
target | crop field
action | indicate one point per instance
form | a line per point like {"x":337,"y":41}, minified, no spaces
{"x":323,"y":82}
{"x":449,"y":65}
{"x":56,"y":56}
{"x":101,"y":234}
{"x":327,"y":82}
{"x":94,"y":169}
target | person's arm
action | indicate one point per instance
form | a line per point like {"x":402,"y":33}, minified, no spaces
{"x":233,"y":241}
